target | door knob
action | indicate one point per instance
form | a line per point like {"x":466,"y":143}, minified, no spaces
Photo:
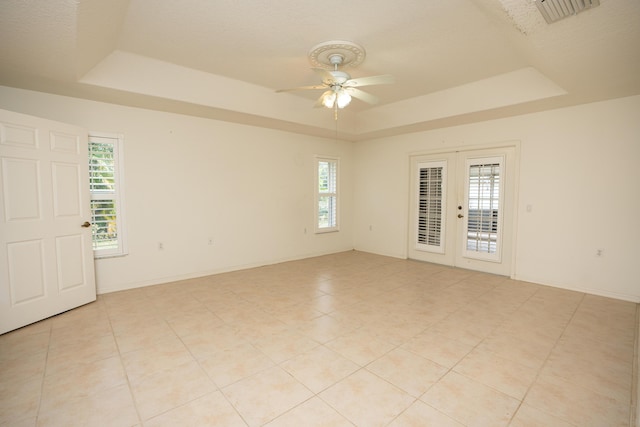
{"x":86,"y":224}
{"x":460,"y":216}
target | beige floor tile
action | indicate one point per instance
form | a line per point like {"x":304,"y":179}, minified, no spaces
{"x":233,"y":364}
{"x":297,"y":314}
{"x":505,"y":375}
{"x":589,"y":349}
{"x":531,"y":417}
{"x":143,"y":335}
{"x":396,"y":332}
{"x":259,"y":327}
{"x":85,"y":315}
{"x":92,"y":348}
{"x":19,"y":400}
{"x":438,"y":348}
{"x":284,"y":345}
{"x":22,"y":369}
{"x":176,"y":305}
{"x":34,"y":328}
{"x":526,"y":352}
{"x":536,"y":330}
{"x":266,"y":395}
{"x":192,"y":349}
{"x":159,"y":356}
{"x":204,"y":345}
{"x":110,"y":407}
{"x":15,"y":345}
{"x":422,"y":415}
{"x":209,"y":410}
{"x":135,"y":317}
{"x":325,"y":328}
{"x":319,"y":368}
{"x":201,"y":321}
{"x":470,"y":402}
{"x":27,"y":422}
{"x":575,"y":404}
{"x":168,"y":389}
{"x":76,"y":331}
{"x":367,"y":400}
{"x":408,"y":371}
{"x":600,"y":375}
{"x":312,"y":413}
{"x":360,"y":347}
{"x":466,"y":329}
{"x":81,"y":380}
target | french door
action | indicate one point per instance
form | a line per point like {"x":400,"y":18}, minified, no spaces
{"x":462,"y":209}
{"x":46,"y":256}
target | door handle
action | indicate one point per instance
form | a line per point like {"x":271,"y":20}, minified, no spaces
{"x":86,"y":224}
{"x":460,"y":216}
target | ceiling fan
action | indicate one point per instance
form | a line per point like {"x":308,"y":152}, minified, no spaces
{"x":339,"y":87}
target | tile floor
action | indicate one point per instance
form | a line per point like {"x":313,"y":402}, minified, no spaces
{"x":340,"y":340}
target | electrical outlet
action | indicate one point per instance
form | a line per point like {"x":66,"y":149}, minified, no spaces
{"x":160,"y":246}
{"x":210,"y":241}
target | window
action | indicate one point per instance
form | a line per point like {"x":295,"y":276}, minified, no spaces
{"x":327,"y":194}
{"x":105,"y":185}
{"x":483,"y":198}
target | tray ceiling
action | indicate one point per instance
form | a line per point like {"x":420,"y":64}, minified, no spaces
{"x":455,"y":61}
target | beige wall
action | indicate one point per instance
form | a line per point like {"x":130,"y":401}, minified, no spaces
{"x":188,"y":179}
{"x":251,"y":190}
{"x":578,"y":171}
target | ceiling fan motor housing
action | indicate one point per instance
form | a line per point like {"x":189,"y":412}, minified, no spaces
{"x":339,"y":77}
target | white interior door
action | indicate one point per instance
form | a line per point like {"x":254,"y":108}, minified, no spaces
{"x":462,"y":209}
{"x":46,"y":256}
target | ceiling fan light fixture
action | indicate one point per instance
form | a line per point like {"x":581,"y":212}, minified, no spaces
{"x":343,"y":99}
{"x":329,"y":99}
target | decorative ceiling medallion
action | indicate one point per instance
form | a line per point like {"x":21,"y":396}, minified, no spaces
{"x":352,"y":53}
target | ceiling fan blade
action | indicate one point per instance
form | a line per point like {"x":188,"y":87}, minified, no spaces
{"x":361,"y":95}
{"x":314,"y":87}
{"x":384,"y":79}
{"x":325,"y":75}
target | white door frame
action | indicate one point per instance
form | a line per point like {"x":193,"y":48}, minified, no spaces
{"x":451,"y":255}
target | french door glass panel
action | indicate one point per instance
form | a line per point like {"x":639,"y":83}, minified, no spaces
{"x":483,"y":202}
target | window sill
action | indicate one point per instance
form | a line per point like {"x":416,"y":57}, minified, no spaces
{"x":105,"y":256}
{"x":327,"y":230}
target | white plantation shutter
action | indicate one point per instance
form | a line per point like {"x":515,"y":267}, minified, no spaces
{"x":431,"y":206}
{"x":106,"y":199}
{"x":326,"y":194}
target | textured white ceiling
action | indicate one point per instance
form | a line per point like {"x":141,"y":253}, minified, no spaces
{"x":224,"y":59}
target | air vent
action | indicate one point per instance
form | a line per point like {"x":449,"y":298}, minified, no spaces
{"x":555,"y":10}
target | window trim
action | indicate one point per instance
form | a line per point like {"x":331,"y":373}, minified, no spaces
{"x":318,"y":194}
{"x":118,"y":141}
